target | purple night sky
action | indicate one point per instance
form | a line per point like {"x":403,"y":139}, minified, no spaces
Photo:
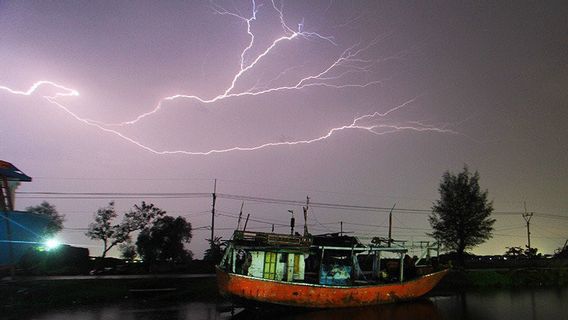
{"x":443,"y":84}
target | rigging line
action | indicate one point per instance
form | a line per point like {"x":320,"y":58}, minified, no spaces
{"x":399,"y":221}
{"x":316,"y":219}
{"x":383,"y":226}
{"x":236,"y":215}
{"x":266,"y":220}
{"x":250,"y":219}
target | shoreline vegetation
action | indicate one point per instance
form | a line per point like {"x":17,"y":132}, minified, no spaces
{"x":487,"y":279}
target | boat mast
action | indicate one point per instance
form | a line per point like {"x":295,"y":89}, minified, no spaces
{"x":292,"y":222}
{"x":213,"y":213}
{"x":240,"y":216}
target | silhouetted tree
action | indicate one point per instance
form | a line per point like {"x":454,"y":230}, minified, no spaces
{"x":514,"y":252}
{"x":56,"y":219}
{"x":113,"y":234}
{"x":518,"y":252}
{"x":215,"y":251}
{"x":127,"y":251}
{"x":165,"y":241}
{"x":461,"y":218}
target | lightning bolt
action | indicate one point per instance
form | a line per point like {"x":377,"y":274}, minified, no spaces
{"x":348,"y":62}
{"x":67,"y":92}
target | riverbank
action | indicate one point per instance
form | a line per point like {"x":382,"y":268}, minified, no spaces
{"x":47,"y":293}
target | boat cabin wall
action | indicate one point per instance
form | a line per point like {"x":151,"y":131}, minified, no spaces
{"x":280,"y":266}
{"x":257,"y":265}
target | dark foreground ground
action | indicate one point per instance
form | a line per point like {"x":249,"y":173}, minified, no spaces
{"x":37,"y":294}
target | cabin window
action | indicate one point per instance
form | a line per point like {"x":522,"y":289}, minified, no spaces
{"x":269,"y":265}
{"x":296,"y":264}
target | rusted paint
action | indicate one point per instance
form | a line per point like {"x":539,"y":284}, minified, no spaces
{"x":319,"y":296}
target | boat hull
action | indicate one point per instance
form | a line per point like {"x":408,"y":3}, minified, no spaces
{"x":322,"y":296}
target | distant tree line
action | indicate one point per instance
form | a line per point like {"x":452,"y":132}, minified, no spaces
{"x":161,"y":238}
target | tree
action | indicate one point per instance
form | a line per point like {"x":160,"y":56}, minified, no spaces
{"x":461,"y":218}
{"x":113,"y":234}
{"x":165,"y":241}
{"x":127,"y":251}
{"x":56,"y":219}
{"x":518,"y":252}
{"x":215,"y":251}
{"x":514,"y":252}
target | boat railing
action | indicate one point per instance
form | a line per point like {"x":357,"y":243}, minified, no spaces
{"x":364,"y":249}
{"x":271,"y":238}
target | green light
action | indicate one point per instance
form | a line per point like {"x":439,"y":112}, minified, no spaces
{"x":51,"y":244}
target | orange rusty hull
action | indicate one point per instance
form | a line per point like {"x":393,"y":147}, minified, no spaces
{"x":322,"y":296}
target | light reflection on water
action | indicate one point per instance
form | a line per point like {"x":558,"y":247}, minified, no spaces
{"x":498,"y":304}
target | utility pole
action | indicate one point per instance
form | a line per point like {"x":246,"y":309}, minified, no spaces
{"x":390,"y":225}
{"x":341,"y":228}
{"x":527,"y":216}
{"x":213,"y":213}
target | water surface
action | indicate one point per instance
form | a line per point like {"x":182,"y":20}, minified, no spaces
{"x":525,"y":304}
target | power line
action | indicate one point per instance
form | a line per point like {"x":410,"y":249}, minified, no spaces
{"x":190,"y":195}
{"x":123,"y":179}
{"x":109,"y":195}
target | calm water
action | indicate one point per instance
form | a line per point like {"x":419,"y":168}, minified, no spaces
{"x":502,"y":304}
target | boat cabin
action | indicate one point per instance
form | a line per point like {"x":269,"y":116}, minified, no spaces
{"x":267,"y":255}
{"x":329,"y":259}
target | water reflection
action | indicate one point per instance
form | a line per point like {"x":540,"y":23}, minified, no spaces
{"x":417,"y":310}
{"x":132,"y":311}
{"x":523,"y":304}
{"x":520,"y":304}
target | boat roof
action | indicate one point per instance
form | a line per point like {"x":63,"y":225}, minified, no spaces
{"x":335,"y":240}
{"x":264,"y":239}
{"x":12,"y":173}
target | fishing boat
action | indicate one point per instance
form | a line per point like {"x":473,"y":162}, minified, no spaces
{"x":320,"y":271}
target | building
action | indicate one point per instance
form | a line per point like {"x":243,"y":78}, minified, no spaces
{"x":19,"y":230}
